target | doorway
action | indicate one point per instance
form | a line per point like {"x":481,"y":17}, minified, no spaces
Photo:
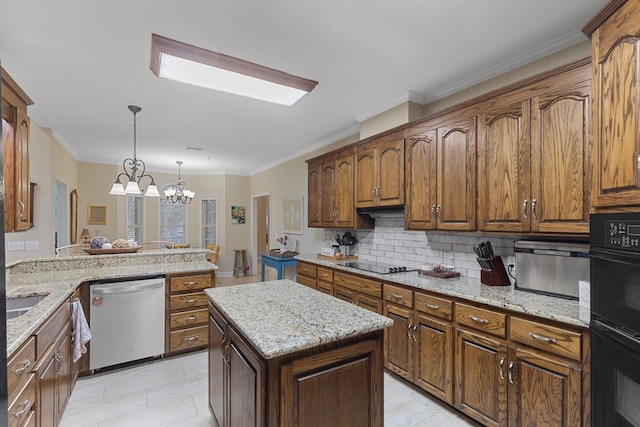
{"x":261,"y":209}
{"x":60,"y":214}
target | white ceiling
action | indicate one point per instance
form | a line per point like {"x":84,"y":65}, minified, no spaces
{"x":82,"y":62}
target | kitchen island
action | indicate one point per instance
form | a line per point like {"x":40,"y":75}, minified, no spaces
{"x":281,"y":354}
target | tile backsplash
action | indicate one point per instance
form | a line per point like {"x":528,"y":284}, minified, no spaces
{"x":390,"y":243}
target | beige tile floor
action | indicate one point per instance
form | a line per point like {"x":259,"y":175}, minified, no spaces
{"x":173,"y":392}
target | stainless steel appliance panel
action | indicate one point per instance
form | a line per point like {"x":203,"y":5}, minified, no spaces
{"x":553,"y":268}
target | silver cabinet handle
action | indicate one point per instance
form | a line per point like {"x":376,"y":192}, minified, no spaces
{"x":25,"y":407}
{"x":190,"y":318}
{"x":533,"y":208}
{"x":222,"y":344}
{"x":373,"y":191}
{"x":438,"y":211}
{"x":433,"y":211}
{"x":432,"y":306}
{"x":542,"y":338}
{"x":191,"y":301}
{"x":524,"y":208}
{"x":478,"y":320}
{"x":25,"y":364}
{"x":500,"y":368}
{"x":413,"y":330}
{"x":192,"y":338}
{"x":510,"y":372}
{"x":396,"y":296}
{"x":21,"y":208}
{"x":191,"y":283}
{"x":409,"y":331}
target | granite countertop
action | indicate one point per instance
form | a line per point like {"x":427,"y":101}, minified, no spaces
{"x":507,"y":297}
{"x":281,"y":317}
{"x":58,"y":278}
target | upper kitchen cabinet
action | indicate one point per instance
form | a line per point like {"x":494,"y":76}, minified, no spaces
{"x":533,"y":156}
{"x":380,"y":172}
{"x":15,"y":149}
{"x":615,"y":127}
{"x":441,"y":173}
{"x":331,"y":192}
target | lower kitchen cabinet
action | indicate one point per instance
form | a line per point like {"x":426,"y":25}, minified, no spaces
{"x":186,"y":319}
{"x":306,"y":274}
{"x":365,"y":293}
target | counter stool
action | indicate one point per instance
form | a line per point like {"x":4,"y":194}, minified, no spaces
{"x":240,"y":263}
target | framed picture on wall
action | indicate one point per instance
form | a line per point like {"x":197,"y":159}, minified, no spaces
{"x":292,"y":214}
{"x":97,"y":215}
{"x":237,"y":214}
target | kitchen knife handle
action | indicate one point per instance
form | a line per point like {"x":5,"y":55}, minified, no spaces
{"x":524,"y":208}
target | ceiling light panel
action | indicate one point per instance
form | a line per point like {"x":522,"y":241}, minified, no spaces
{"x":192,"y":65}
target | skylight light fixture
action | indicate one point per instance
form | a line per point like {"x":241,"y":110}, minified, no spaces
{"x":174,"y":60}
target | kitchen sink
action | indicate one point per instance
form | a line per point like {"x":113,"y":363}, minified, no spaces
{"x":20,"y":305}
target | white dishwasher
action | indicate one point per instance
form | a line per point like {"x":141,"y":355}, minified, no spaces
{"x":126,"y":321}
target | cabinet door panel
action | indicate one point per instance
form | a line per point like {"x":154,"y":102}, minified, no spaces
{"x":560,"y":160}
{"x":365,"y":172}
{"x":504,"y":167}
{"x":216,"y":371}
{"x":391,"y":173}
{"x":480,"y":383}
{"x":244,"y":384}
{"x":344,"y":192}
{"x":22,"y":201}
{"x":456,"y":209}
{"x":314,"y":188}
{"x":328,"y":183}
{"x":434,"y":357}
{"x":546,"y":391}
{"x":398,"y":344}
{"x":421,"y":173}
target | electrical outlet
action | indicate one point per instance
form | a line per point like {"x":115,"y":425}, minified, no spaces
{"x":32,"y":245}
{"x":15,"y":246}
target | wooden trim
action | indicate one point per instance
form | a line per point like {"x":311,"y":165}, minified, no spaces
{"x":11,"y":84}
{"x":604,"y":14}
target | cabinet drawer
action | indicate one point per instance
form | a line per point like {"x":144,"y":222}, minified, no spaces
{"x":189,"y":338}
{"x":549,"y":338}
{"x":358,"y":284}
{"x":344,"y":294}
{"x":190,"y":283}
{"x":196,"y":299}
{"x":20,"y":407}
{"x":307,"y":270}
{"x":48,"y":332}
{"x":303,"y":280}
{"x":21,"y":364}
{"x":326,"y":288}
{"x":189,"y":318}
{"x":398,"y":295}
{"x":434,"y":306}
{"x":325,"y":275}
{"x":371,"y":304}
{"x":481,"y":319}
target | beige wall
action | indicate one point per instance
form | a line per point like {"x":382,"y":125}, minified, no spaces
{"x":391,"y":118}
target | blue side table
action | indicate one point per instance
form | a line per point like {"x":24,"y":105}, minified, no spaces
{"x":276,"y":262}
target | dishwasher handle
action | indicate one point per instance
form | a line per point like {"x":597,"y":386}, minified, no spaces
{"x":129,"y":289}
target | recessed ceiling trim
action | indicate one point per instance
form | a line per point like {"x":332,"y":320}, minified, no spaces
{"x":206,"y":62}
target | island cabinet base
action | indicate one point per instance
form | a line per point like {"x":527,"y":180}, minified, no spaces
{"x":335,"y":384}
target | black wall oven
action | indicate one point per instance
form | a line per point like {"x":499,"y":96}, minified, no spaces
{"x":615,"y":319}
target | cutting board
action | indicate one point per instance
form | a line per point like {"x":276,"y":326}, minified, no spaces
{"x":440,"y":274}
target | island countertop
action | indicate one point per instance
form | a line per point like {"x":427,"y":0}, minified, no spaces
{"x":281,"y":317}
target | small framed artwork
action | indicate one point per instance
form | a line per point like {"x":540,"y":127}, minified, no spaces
{"x":237,"y":214}
{"x":97,"y":215}
{"x":292,"y":210}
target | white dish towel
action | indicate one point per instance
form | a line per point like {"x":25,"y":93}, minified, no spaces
{"x":81,"y":332}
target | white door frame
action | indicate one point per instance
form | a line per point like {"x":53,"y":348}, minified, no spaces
{"x":254,"y":228}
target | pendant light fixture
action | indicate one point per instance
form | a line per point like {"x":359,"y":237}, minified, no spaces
{"x":134,"y":170}
{"x":177,"y":192}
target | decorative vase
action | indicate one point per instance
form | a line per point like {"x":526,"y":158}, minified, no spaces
{"x":283,"y":249}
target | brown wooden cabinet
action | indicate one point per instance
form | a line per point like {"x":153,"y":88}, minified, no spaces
{"x":331,"y":186}
{"x":379,"y":172}
{"x":15,"y":147}
{"x":365,"y":293}
{"x":21,"y":384}
{"x":447,"y":143}
{"x":306,"y":274}
{"x":526,"y":183}
{"x":186,"y":304}
{"x":615,"y":134}
{"x":333,"y":384}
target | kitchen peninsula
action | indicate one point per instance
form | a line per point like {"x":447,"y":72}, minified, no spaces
{"x":283,"y":354}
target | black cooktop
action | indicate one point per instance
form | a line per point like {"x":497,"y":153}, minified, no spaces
{"x":379,"y":267}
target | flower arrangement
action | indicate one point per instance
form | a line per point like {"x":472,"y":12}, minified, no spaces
{"x":282,"y":240}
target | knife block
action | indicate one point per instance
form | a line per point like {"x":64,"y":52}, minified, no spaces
{"x":497,"y":276}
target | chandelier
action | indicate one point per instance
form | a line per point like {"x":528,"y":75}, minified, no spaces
{"x":177,"y":192}
{"x":134,"y":169}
